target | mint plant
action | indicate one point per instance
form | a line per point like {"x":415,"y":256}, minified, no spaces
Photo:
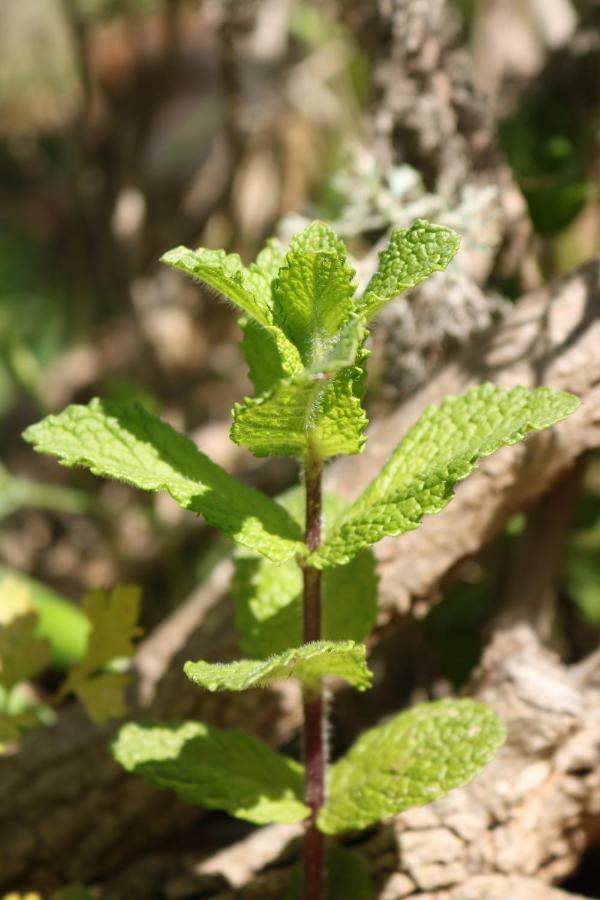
{"x":305,"y":582}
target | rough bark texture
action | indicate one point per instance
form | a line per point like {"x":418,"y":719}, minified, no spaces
{"x":519,"y":827}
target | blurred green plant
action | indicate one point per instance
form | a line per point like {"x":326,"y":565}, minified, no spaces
{"x":582,"y":571}
{"x":38,"y":628}
{"x":59,"y":622}
{"x":547,"y":150}
{"x":20,"y":493}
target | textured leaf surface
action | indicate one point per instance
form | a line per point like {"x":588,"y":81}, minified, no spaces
{"x":312,"y":301}
{"x":269,"y":598}
{"x":441,"y":449}
{"x":225,"y":273}
{"x":319,"y":237}
{"x":415,"y":758}
{"x":308,"y":663}
{"x":412,"y":255}
{"x":214,"y":768}
{"x":315,"y":404}
{"x":114,"y":626}
{"x":269,"y":354}
{"x":262,"y":272}
{"x":129,"y":444}
{"x":306,"y":410}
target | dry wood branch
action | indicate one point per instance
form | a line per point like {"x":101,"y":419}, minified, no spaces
{"x":518,"y":828}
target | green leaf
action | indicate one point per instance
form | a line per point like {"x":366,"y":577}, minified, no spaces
{"x":114,"y":626}
{"x":269,"y":598}
{"x":262,"y":272}
{"x":308,"y":663}
{"x":60,"y":622}
{"x":347,"y":877}
{"x":312,"y":301}
{"x":9,"y":731}
{"x":218,"y":769}
{"x":103,"y":695}
{"x":129,"y":444}
{"x":307,"y":410}
{"x":22,"y":653}
{"x":412,"y":255}
{"x":269,"y":603}
{"x":441,"y":449}
{"x":412,"y":760}
{"x":270,"y":356}
{"x":225,"y":273}
{"x":315,"y":404}
{"x":319,"y":237}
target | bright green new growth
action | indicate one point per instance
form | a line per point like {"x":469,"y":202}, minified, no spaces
{"x":415,"y":758}
{"x":304,"y":342}
{"x":218,"y":769}
{"x":309,"y":663}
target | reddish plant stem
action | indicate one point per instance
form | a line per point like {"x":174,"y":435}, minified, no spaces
{"x":314,"y":707}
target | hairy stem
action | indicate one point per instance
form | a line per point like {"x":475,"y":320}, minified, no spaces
{"x":314,"y":706}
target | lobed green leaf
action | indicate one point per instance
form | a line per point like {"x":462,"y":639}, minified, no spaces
{"x":414,"y":759}
{"x":308,"y":663}
{"x":440,"y":450}
{"x":214,"y":768}
{"x":412,"y":255}
{"x":125,"y":442}
{"x":113,"y":620}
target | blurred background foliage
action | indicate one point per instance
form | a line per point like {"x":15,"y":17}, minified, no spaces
{"x":130,"y":126}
